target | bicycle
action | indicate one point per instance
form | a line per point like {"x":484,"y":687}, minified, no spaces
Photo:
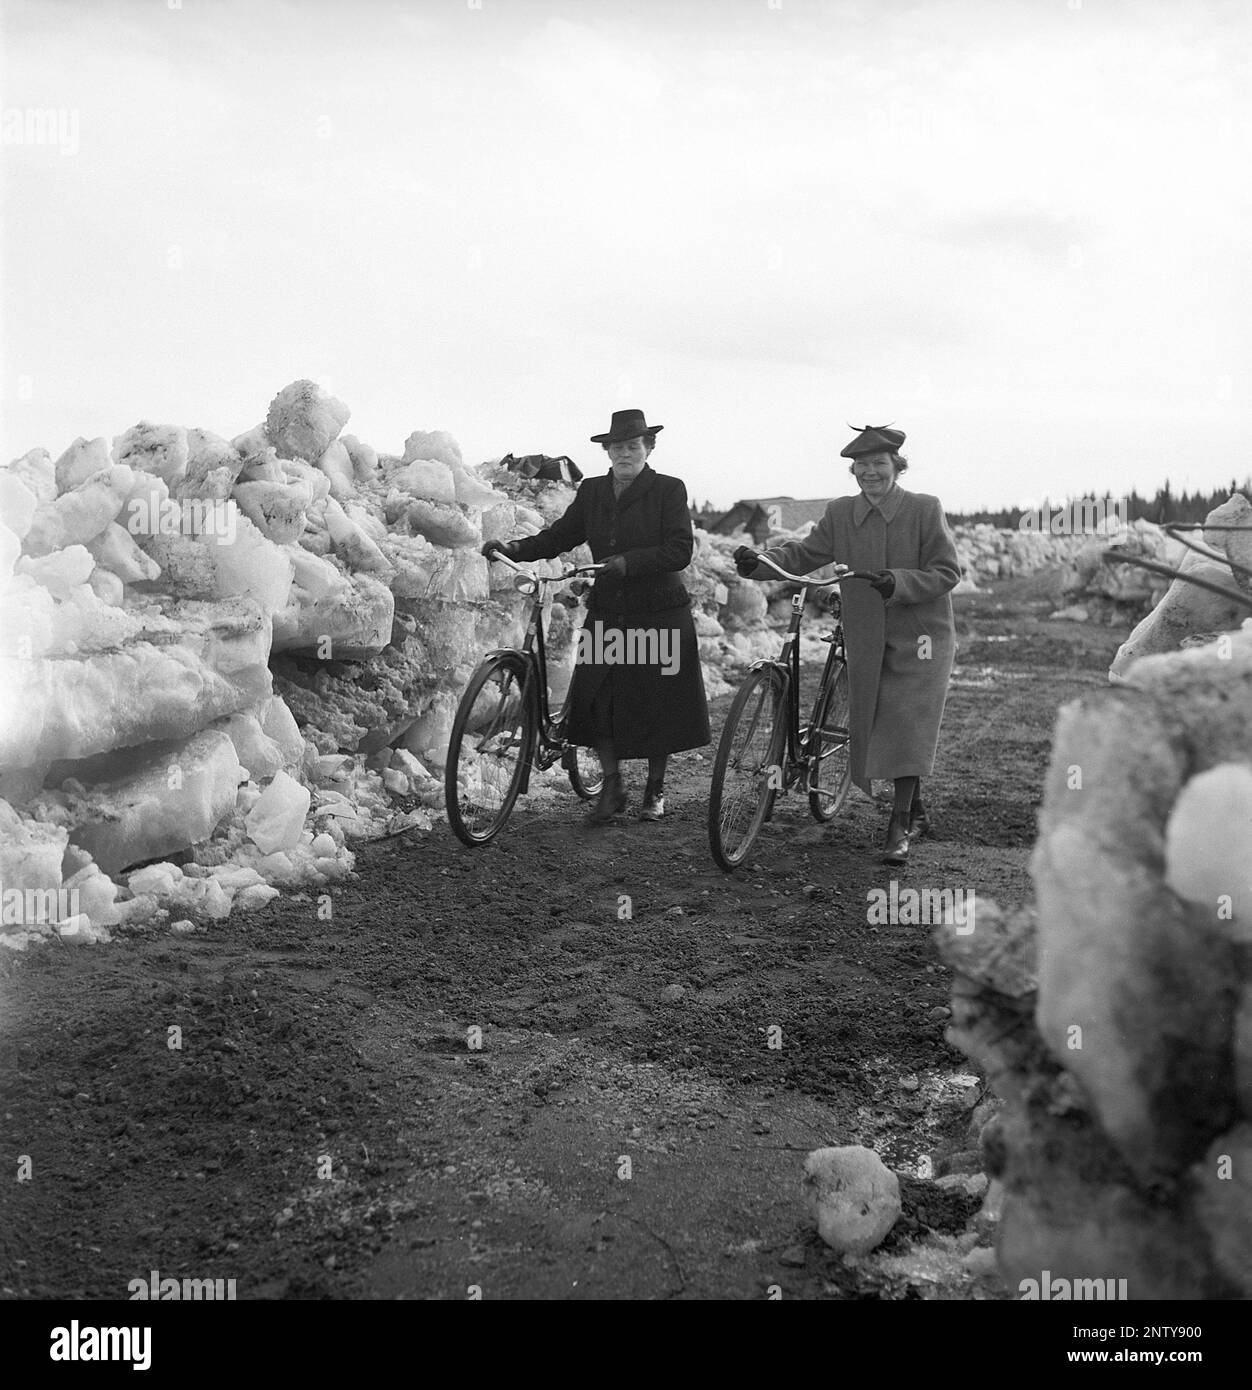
{"x":764,"y":749}
{"x":504,"y":727}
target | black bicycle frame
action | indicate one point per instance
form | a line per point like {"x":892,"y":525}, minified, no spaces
{"x":788,"y":667}
{"x":534,"y":653}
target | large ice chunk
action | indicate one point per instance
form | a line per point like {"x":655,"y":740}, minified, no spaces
{"x":60,"y":573}
{"x":443,"y":523}
{"x":82,"y":459}
{"x":215,"y":567}
{"x":349,"y":539}
{"x":278,"y":509}
{"x":203,"y":661}
{"x":36,"y":469}
{"x":336,"y":463}
{"x":278,"y":723}
{"x":277,"y":819}
{"x":303,"y":419}
{"x":30,"y":851}
{"x":115,"y":549}
{"x":252,"y":565}
{"x":175,"y":797}
{"x":471,"y":491}
{"x":213,"y":464}
{"x":352,"y":618}
{"x":158,"y":449}
{"x":432,"y":444}
{"x":426,"y":478}
{"x":81,"y":514}
{"x":18,"y":504}
{"x":364,"y":458}
{"x":460,"y":576}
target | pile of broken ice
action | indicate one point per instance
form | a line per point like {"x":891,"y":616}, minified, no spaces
{"x":1116,"y":1021}
{"x":224,"y":659}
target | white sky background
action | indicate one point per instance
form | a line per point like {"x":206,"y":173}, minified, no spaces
{"x":1019,"y":229}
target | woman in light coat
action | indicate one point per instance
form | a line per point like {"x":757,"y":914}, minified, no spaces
{"x":898,"y":627}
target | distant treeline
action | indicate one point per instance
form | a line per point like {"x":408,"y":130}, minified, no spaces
{"x":1166,"y":505}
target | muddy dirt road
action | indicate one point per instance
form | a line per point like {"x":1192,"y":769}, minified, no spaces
{"x":327,"y":1130}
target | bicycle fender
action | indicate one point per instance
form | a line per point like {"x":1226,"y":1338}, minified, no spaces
{"x":763,"y":663}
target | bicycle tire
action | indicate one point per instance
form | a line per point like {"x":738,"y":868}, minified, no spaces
{"x":586,"y":775}
{"x":493,"y":738}
{"x":753,"y":736}
{"x":830,"y":758}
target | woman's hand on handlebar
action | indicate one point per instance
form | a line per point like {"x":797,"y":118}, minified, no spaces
{"x":746,"y":560}
{"x":493,"y":548}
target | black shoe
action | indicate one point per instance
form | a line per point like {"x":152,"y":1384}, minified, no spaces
{"x":653,"y":807}
{"x":919,"y":821}
{"x":896,"y":849}
{"x":612,"y":799}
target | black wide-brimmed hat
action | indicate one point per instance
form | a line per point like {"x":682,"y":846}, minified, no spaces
{"x":626,"y":424}
{"x":871,"y":439}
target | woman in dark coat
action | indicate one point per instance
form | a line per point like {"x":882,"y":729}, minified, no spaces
{"x":638,"y":691}
{"x":898,"y":627}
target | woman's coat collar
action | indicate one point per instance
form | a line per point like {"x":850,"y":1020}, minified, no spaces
{"x":861,"y":506}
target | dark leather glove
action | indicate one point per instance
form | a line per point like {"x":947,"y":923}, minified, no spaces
{"x":503,"y":547}
{"x":746,"y":560}
{"x":615,"y":565}
{"x":884,"y":582}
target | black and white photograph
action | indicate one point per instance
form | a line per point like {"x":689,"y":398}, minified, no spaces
{"x":626,"y":663}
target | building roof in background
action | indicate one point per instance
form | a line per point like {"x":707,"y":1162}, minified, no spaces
{"x":779,"y":513}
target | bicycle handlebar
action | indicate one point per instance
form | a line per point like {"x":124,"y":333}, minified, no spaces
{"x":570,"y":572}
{"x":813,"y":583}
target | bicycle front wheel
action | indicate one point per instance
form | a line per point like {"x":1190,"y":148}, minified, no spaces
{"x":493,"y":735}
{"x":830,"y":747}
{"x":586,"y":775}
{"x":747,"y":770}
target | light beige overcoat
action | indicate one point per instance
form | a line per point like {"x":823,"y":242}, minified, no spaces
{"x":900,"y":652}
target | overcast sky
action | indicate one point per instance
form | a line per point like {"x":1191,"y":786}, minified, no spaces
{"x":1019,"y":229}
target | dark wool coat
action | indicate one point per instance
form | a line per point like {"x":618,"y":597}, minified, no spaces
{"x":900,"y":652}
{"x":645,"y":711}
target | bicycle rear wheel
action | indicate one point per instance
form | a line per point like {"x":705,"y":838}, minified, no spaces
{"x":752,"y":745}
{"x":493,"y":736}
{"x":830,"y":748}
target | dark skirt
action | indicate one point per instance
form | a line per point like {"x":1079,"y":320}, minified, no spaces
{"x":638,"y":685}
